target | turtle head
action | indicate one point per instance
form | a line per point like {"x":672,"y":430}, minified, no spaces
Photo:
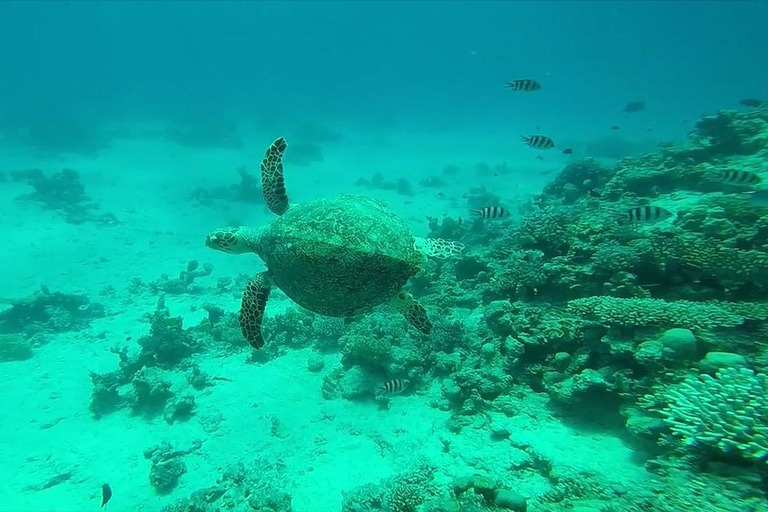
{"x":238,"y":240}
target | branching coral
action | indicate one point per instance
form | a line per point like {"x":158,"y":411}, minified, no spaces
{"x":728,"y":412}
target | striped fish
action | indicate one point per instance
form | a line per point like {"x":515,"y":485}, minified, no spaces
{"x":646,"y":214}
{"x":491,"y":212}
{"x":392,"y":387}
{"x":736,"y":177}
{"x":525,"y":84}
{"x":539,"y":141}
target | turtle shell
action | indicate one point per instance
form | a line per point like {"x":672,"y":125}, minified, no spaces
{"x":339,"y":256}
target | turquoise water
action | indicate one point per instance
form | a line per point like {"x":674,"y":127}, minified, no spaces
{"x":597,"y":347}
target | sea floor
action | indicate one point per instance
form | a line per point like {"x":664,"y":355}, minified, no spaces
{"x":55,"y":455}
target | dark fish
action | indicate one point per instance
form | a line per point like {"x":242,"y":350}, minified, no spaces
{"x":491,"y":212}
{"x":546,"y":172}
{"x":752,"y":102}
{"x":649,"y":130}
{"x":568,"y":151}
{"x":615,"y":127}
{"x":646,"y":214}
{"x":106,"y":494}
{"x":392,"y":387}
{"x":525,"y":84}
{"x":634,"y":106}
{"x":756,"y":199}
{"x":594,"y":193}
{"x":736,"y":177}
{"x":539,"y":157}
{"x":459,"y":221}
{"x":539,"y":141}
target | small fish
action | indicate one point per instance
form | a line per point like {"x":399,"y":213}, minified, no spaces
{"x":525,"y":84}
{"x":594,"y":193}
{"x":634,"y":106}
{"x":756,"y":199}
{"x":539,"y":141}
{"x":106,"y":494}
{"x":392,"y":387}
{"x":615,"y":127}
{"x":459,"y":221}
{"x":568,"y":151}
{"x":752,"y":102}
{"x":646,"y":214}
{"x":491,"y":212}
{"x":539,"y":157}
{"x":545,"y":172}
{"x":649,"y":130}
{"x":736,"y":177}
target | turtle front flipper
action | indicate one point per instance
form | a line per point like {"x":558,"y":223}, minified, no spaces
{"x":272,"y":182}
{"x":413,"y":312}
{"x":438,"y":247}
{"x":252,"y":308}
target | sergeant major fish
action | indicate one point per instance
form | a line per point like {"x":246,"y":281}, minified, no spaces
{"x":736,"y":177}
{"x":646,"y":214}
{"x":525,"y":84}
{"x":491,"y":212}
{"x":538,"y":141}
{"x":392,"y":387}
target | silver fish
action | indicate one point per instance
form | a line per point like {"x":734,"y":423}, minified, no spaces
{"x":756,"y":199}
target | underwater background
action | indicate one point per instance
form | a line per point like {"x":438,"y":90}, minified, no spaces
{"x":598,"y":345}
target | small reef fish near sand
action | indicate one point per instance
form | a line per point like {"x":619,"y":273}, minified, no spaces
{"x":646,"y":214}
{"x":525,"y":84}
{"x":538,"y":141}
{"x":634,"y":106}
{"x":736,"y":177}
{"x":752,"y":102}
{"x":106,"y":495}
{"x":568,"y":151}
{"x":491,"y":212}
{"x":392,"y":387}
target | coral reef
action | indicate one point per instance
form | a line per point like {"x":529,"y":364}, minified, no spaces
{"x":49,"y":311}
{"x":63,"y":192}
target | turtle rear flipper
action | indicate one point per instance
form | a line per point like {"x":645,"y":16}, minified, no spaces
{"x":252,"y":308}
{"x":438,"y":247}
{"x":272,"y":182}
{"x":413,"y":312}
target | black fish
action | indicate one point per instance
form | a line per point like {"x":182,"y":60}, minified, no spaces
{"x":392,"y":387}
{"x":649,"y":130}
{"x":106,"y":494}
{"x":634,"y":106}
{"x":737,"y":177}
{"x":539,"y":141}
{"x":594,"y":193}
{"x":615,"y":127}
{"x":525,"y":84}
{"x":568,"y":151}
{"x":646,"y":214}
{"x":752,"y":102}
{"x":491,"y":212}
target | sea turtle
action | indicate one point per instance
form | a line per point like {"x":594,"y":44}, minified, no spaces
{"x":338,"y":257}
